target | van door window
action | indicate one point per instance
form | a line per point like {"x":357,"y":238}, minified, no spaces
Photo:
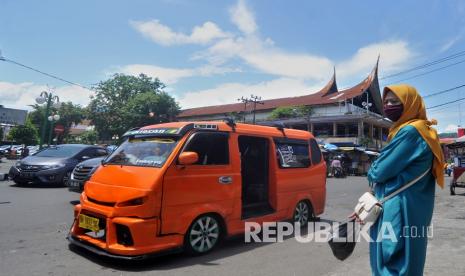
{"x":316,"y":153}
{"x":212,"y":148}
{"x":293,"y":155}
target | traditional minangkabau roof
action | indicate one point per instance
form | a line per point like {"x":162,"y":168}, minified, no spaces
{"x":329,"y":94}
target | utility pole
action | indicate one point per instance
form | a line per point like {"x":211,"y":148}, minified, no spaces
{"x":253,"y":99}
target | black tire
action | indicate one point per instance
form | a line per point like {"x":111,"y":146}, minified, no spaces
{"x":66,"y":177}
{"x":19,"y":183}
{"x":203,"y":235}
{"x":452,"y":189}
{"x":303,"y":213}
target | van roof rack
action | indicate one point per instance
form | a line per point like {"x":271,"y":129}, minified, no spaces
{"x":280,"y":127}
{"x":230,"y":122}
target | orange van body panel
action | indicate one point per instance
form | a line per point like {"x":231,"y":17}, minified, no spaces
{"x":158,"y":205}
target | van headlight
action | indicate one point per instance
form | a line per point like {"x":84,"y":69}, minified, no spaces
{"x":133,"y":202}
{"x":18,"y":164}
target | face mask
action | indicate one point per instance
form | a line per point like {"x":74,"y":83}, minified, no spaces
{"x":393,"y":112}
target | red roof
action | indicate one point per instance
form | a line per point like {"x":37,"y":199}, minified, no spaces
{"x":327,"y":95}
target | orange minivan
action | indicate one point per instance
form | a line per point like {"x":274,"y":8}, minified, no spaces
{"x":186,"y":185}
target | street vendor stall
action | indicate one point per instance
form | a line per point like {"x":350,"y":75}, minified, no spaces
{"x":458,"y":153}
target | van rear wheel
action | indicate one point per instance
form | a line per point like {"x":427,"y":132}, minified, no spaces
{"x":203,"y":235}
{"x":302,"y":213}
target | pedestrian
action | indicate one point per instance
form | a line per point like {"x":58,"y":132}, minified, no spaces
{"x":413,"y":148}
{"x":24,"y":152}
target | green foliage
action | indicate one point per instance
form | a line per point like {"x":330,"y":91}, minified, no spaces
{"x":69,"y":114}
{"x":287,"y":112}
{"x":124,"y":102}
{"x":26,"y":134}
{"x":283,"y":112}
{"x":89,"y":137}
{"x":365,"y":141}
{"x":1,"y":133}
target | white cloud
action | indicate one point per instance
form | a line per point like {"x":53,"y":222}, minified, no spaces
{"x":229,"y":92}
{"x":394,"y":55}
{"x":451,"y":42}
{"x":163,"y":34}
{"x":243,"y":18}
{"x":166,"y":75}
{"x":21,"y":95}
{"x":171,"y":75}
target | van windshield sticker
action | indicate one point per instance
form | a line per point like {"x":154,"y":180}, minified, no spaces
{"x":152,"y":131}
{"x":152,"y":163}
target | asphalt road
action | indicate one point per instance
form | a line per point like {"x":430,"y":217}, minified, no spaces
{"x":34,"y":222}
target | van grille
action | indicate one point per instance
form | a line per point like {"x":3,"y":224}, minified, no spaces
{"x":82,"y":173}
{"x":110,"y":204}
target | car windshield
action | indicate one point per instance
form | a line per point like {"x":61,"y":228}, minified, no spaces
{"x":144,"y":152}
{"x":59,"y":151}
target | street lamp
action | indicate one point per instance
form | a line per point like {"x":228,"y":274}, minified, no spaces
{"x":49,"y":98}
{"x":367,"y":105}
{"x":115,"y":138}
{"x":52,"y":119}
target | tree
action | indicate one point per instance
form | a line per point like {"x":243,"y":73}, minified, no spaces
{"x":89,"y":137}
{"x":69,"y":114}
{"x":124,"y":102}
{"x":306,"y":112}
{"x":24,"y":134}
{"x":284,"y":112}
{"x":1,"y":133}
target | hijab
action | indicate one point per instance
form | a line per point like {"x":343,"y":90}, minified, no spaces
{"x":414,"y":114}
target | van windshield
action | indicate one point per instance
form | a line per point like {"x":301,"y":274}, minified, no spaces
{"x":143,"y":152}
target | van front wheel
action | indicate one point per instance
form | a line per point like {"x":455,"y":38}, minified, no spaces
{"x":203,"y":235}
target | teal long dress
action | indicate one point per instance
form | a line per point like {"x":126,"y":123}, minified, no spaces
{"x":406,"y":157}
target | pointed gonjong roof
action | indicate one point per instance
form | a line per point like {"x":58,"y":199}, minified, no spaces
{"x":329,"y":94}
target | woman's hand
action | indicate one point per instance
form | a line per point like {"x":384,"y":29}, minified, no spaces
{"x":354,"y":216}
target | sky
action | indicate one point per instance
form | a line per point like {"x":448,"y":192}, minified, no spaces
{"x":214,"y":52}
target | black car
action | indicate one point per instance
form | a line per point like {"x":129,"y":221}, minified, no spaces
{"x":53,"y":165}
{"x":82,"y":172}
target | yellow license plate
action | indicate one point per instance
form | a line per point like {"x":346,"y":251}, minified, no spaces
{"x":87,"y":222}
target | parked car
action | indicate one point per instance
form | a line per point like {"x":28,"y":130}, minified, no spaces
{"x":188,"y":185}
{"x":82,"y":172}
{"x":53,"y":165}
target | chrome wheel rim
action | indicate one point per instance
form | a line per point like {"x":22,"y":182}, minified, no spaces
{"x":301,"y":213}
{"x":204,"y":234}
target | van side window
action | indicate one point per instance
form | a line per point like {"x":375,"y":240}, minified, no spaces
{"x":212,"y":148}
{"x":316,"y":153}
{"x":292,"y":155}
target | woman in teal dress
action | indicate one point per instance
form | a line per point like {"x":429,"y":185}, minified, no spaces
{"x":401,"y":232}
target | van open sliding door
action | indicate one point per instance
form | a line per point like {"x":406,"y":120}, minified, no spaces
{"x":255,"y":176}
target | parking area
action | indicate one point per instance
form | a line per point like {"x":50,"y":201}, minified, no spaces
{"x":35,"y":221}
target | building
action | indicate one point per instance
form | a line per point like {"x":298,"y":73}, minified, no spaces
{"x":351,"y":116}
{"x":9,"y":118}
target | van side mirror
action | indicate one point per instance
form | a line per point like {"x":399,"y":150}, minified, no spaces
{"x":188,"y":158}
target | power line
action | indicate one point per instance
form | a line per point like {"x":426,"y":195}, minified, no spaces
{"x":43,"y":73}
{"x":443,"y":91}
{"x":453,"y":56}
{"x":431,"y":71}
{"x":454,"y":101}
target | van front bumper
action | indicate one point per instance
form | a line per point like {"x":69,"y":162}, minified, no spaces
{"x":96,"y":250}
{"x":144,"y":238}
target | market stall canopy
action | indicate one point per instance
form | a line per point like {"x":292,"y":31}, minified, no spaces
{"x":330,"y":147}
